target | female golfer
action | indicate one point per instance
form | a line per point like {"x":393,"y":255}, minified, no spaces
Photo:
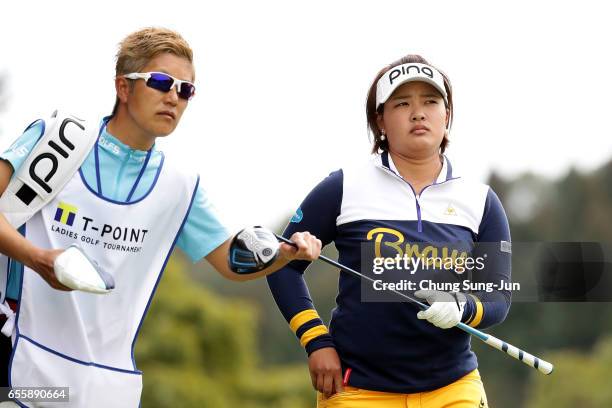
{"x":406,"y":202}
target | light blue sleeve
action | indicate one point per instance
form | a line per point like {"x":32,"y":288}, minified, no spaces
{"x":21,"y":148}
{"x":16,"y":154}
{"x":203,"y":230}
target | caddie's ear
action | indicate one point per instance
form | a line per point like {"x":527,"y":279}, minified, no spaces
{"x":122,"y":86}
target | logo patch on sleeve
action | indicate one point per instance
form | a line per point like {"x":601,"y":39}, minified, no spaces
{"x":505,"y":246}
{"x":297,"y":217}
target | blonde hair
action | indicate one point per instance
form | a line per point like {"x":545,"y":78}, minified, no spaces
{"x":140,"y":47}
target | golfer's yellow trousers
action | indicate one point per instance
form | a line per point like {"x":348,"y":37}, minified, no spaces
{"x":466,"y":392}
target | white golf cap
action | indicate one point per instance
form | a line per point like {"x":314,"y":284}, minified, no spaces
{"x":404,"y":73}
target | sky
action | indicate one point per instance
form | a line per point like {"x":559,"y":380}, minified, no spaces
{"x":281,"y":86}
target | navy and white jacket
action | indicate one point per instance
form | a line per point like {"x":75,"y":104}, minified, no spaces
{"x":383,"y":343}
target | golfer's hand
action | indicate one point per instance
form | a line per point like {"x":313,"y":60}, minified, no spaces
{"x":42,"y":262}
{"x":307,"y":247}
{"x":325,"y":371}
{"x":446,"y":308}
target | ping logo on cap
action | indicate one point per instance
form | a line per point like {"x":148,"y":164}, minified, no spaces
{"x":411,"y":72}
{"x":65,"y":213}
{"x":405,"y":70}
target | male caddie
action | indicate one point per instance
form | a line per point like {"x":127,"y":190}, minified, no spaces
{"x":126,"y":206}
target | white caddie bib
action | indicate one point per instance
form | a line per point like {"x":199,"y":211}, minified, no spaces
{"x":59,"y":153}
{"x":85,"y":341}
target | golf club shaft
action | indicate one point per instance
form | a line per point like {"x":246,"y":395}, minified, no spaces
{"x":541,"y":365}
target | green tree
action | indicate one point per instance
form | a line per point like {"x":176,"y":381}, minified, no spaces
{"x":580,"y":380}
{"x":199,"y":350}
{"x":573,"y":208}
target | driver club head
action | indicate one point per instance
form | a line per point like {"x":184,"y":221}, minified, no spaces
{"x":253,"y":249}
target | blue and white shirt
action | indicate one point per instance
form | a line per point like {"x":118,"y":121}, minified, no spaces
{"x":383,"y":343}
{"x":117,"y":172}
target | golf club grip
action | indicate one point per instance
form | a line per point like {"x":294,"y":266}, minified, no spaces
{"x":532,"y":361}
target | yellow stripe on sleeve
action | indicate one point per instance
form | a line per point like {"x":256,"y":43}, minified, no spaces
{"x":479,"y":312}
{"x":312,"y":333}
{"x":302,"y":317}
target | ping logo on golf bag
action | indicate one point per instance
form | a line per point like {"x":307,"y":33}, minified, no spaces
{"x":42,"y":177}
{"x":65,"y":213}
{"x":405,"y":70}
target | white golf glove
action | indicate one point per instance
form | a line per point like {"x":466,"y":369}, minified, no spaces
{"x":74,"y":269}
{"x":446,"y":308}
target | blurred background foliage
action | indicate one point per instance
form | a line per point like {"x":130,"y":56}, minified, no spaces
{"x":209,"y":342}
{"x":199,"y":349}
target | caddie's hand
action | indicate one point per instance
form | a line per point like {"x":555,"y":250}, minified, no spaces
{"x":325,"y":371}
{"x":42,"y":262}
{"x":307,"y":247}
{"x":446,"y":308}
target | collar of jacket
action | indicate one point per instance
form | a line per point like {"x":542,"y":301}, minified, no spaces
{"x":384,"y":161}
